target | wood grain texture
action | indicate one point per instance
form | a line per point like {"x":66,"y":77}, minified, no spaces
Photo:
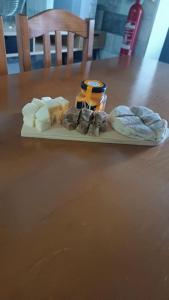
{"x":83,"y":221}
{"x":48,"y":21}
{"x":59,"y":20}
{"x":88,"y":42}
{"x":58,"y":46}
{"x":109,"y":137}
{"x":70,"y":47}
{"x":3,"y":60}
{"x":47,"y":48}
{"x":23,"y":42}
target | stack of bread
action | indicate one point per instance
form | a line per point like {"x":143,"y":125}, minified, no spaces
{"x":139,"y":122}
{"x":43,"y":113}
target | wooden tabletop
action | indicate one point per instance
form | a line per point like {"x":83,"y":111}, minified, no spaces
{"x":82,"y":221}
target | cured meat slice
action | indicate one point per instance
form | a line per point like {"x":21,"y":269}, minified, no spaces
{"x":99,"y":123}
{"x":71,"y":117}
{"x":85,"y":119}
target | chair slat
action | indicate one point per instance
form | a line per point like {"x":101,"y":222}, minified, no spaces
{"x":70,"y":41}
{"x":47,"y":53}
{"x":58,"y":46}
{"x":88,"y":42}
{"x":53,"y":20}
{"x":3,"y":61}
{"x":23,"y":42}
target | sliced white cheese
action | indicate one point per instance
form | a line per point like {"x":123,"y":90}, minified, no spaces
{"x":43,"y":115}
{"x":62,"y":101}
{"x":37,"y":102}
{"x":42,"y":126}
{"x":29,"y":121}
{"x":56,"y":107}
{"x":45,"y":99}
{"x":51,"y":103}
{"x":29,"y":109}
{"x":62,"y":108}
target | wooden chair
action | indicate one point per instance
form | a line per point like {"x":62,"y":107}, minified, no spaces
{"x":3,"y":60}
{"x":53,"y":20}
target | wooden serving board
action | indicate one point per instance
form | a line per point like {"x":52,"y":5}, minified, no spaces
{"x":61,"y":133}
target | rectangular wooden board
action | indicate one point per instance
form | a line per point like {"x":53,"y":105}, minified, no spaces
{"x":61,"y":133}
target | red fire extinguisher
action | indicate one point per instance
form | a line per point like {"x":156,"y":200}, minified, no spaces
{"x":131,"y":29}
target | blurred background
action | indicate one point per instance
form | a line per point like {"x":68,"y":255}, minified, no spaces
{"x":110,"y":18}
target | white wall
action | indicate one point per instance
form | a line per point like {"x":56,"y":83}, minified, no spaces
{"x":82,"y":8}
{"x":35,"y":6}
{"x":64,"y":4}
{"x":88,"y":8}
{"x":159,"y":31}
{"x":150,"y":9}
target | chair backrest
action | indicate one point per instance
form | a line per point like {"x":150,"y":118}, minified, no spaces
{"x":3,"y":61}
{"x":53,"y":20}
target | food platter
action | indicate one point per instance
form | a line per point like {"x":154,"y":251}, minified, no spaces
{"x":61,"y":133}
{"x":49,"y":118}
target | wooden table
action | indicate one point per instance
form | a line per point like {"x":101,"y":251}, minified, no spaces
{"x":83,"y":221}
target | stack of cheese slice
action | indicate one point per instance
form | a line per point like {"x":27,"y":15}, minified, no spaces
{"x":43,"y":113}
{"x":139,"y":122}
